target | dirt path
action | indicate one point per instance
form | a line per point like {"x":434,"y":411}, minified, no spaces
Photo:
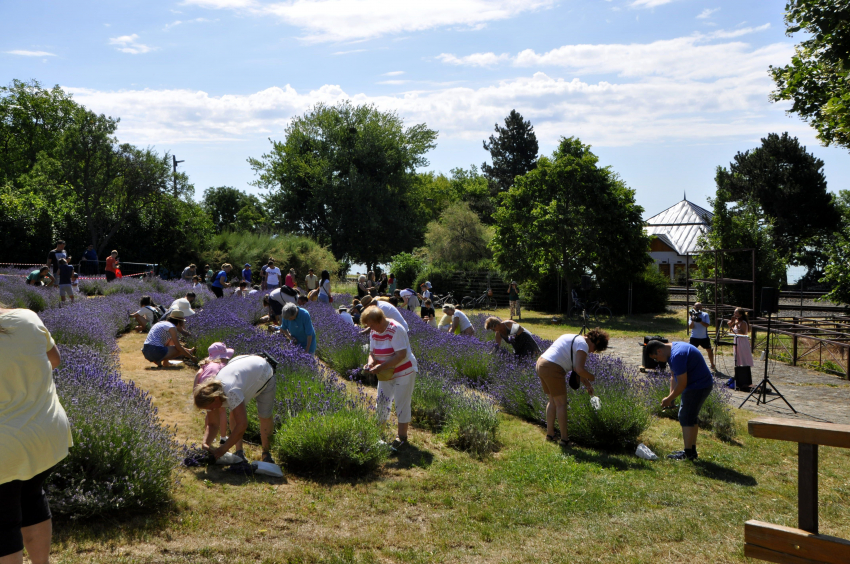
{"x":170,"y":388}
{"x":815,"y":395}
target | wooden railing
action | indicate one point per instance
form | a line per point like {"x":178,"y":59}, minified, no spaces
{"x":787,"y":545}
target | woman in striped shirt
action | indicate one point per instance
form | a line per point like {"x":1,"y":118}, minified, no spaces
{"x":391,"y":360}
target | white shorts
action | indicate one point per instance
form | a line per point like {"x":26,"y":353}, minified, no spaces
{"x":399,"y":390}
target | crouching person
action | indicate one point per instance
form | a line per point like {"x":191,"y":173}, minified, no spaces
{"x":690,"y":378}
{"x":391,"y":360}
{"x":244,"y":378}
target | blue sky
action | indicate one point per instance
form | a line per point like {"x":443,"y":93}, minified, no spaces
{"x":664,"y":90}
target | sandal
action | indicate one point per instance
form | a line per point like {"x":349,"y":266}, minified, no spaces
{"x":551,"y":438}
{"x":566,"y":443}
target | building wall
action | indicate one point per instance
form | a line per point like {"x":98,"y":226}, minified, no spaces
{"x":675,"y":260}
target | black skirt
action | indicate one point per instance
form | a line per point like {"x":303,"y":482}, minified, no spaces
{"x":525,"y":345}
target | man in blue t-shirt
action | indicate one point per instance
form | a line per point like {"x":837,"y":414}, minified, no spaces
{"x":698,"y":324}
{"x":246,"y":273}
{"x":88,"y":264}
{"x":65,"y":273}
{"x":690,"y":378}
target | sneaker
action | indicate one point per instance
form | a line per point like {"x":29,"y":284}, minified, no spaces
{"x":677,"y":455}
{"x":241,"y":454}
{"x":399,"y":444}
{"x":222,"y":440}
{"x":267,"y":457}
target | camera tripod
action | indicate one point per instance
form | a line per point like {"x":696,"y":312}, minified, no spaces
{"x":761,"y":390}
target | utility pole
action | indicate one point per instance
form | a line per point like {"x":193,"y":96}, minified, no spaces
{"x":175,"y":162}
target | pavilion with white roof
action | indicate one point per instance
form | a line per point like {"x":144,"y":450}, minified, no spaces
{"x":675,"y":233}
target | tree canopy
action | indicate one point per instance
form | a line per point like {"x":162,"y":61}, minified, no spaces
{"x":513,"y":150}
{"x":816,"y":79}
{"x":234,"y":209}
{"x":458,"y":237}
{"x":346,"y":175}
{"x":781,"y":182}
{"x":570,"y":216}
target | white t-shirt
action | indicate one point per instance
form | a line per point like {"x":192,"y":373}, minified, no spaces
{"x":559,"y":351}
{"x":427,"y":294}
{"x":326,"y":288}
{"x":273,"y":275}
{"x":282,"y":297}
{"x":462,"y":320}
{"x":383,"y":345}
{"x":701,"y":331}
{"x":243,"y":378}
{"x":391,"y":312}
{"x":147,"y":313}
{"x":312,"y":281}
{"x":347,"y":317}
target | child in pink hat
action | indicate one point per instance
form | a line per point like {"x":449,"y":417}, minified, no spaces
{"x":219,"y":354}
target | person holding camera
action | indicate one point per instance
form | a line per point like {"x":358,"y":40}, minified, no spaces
{"x":698,"y":324}
{"x":513,"y":297}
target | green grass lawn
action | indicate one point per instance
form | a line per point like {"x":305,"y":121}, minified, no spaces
{"x":530,"y":502}
{"x":669,"y":324}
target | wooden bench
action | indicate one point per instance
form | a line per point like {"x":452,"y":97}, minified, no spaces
{"x":787,"y":545}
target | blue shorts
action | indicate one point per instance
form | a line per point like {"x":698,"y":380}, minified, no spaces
{"x":154,"y":353}
{"x":692,"y":401}
{"x":323,"y":298}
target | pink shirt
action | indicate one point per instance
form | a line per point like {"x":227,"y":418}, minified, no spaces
{"x":290,"y":281}
{"x":384,"y":345}
{"x":208,"y":371}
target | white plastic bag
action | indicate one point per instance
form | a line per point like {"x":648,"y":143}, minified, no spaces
{"x":594,"y":401}
{"x":644,"y":452}
{"x":227,"y":459}
{"x":267,"y":469}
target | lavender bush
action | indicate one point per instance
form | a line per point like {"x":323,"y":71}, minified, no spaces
{"x":122,"y":458}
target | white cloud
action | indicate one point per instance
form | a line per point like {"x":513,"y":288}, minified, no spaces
{"x":637,"y":110}
{"x":705,"y":14}
{"x":474,"y":60}
{"x":723,"y":34}
{"x":347,"y":20}
{"x":649,"y":3}
{"x":393,"y":82}
{"x":128,"y":44}
{"x":684,"y":58}
{"x":24,"y":53}
{"x":181,"y":22}
{"x":393,"y":73}
{"x":348,"y":52}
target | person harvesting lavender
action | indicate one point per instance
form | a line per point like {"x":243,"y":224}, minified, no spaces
{"x":512,"y":332}
{"x":460,"y":322}
{"x":219,"y":282}
{"x":389,"y":310}
{"x":391,"y":360}
{"x":36,"y":277}
{"x":34,"y":434}
{"x":219,"y":356}
{"x":691,"y":379}
{"x":163,"y":343}
{"x":297,"y":326}
{"x":566,"y":357}
{"x":245,"y":378}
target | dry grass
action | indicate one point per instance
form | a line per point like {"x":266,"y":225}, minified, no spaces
{"x":531,"y":502}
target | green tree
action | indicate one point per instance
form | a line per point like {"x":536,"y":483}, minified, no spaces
{"x":32,"y":120}
{"x":230,"y":208}
{"x":458,"y":237}
{"x":837,"y":270}
{"x":570,"y":216}
{"x":346,"y":175}
{"x":783,"y":183}
{"x":406,"y":268}
{"x":739,"y":226}
{"x":513,"y":151}
{"x":816,"y":80}
{"x":438,"y":191}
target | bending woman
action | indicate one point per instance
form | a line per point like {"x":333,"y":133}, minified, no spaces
{"x":566,"y":357}
{"x":163,"y":343}
{"x":512,"y":332}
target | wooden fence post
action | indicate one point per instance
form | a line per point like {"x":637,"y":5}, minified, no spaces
{"x":807,"y":488}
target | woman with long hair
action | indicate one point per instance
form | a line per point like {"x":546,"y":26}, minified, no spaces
{"x":325,"y":287}
{"x":739,"y":327}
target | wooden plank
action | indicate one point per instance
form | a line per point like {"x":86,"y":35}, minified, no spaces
{"x":809,"y":432}
{"x":807,"y":487}
{"x":797,"y":543}
{"x":761,"y":553}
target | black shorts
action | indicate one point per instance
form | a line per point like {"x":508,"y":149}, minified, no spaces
{"x":525,"y":345}
{"x":704,"y":343}
{"x":23,"y":503}
{"x":110,"y":276}
{"x":219,"y":292}
{"x":277,"y":307}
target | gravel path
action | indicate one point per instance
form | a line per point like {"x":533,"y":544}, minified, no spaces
{"x":815,"y":395}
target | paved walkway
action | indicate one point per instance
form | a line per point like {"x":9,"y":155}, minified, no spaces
{"x":815,"y":395}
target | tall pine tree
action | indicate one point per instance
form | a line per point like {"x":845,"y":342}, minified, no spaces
{"x":513,"y":151}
